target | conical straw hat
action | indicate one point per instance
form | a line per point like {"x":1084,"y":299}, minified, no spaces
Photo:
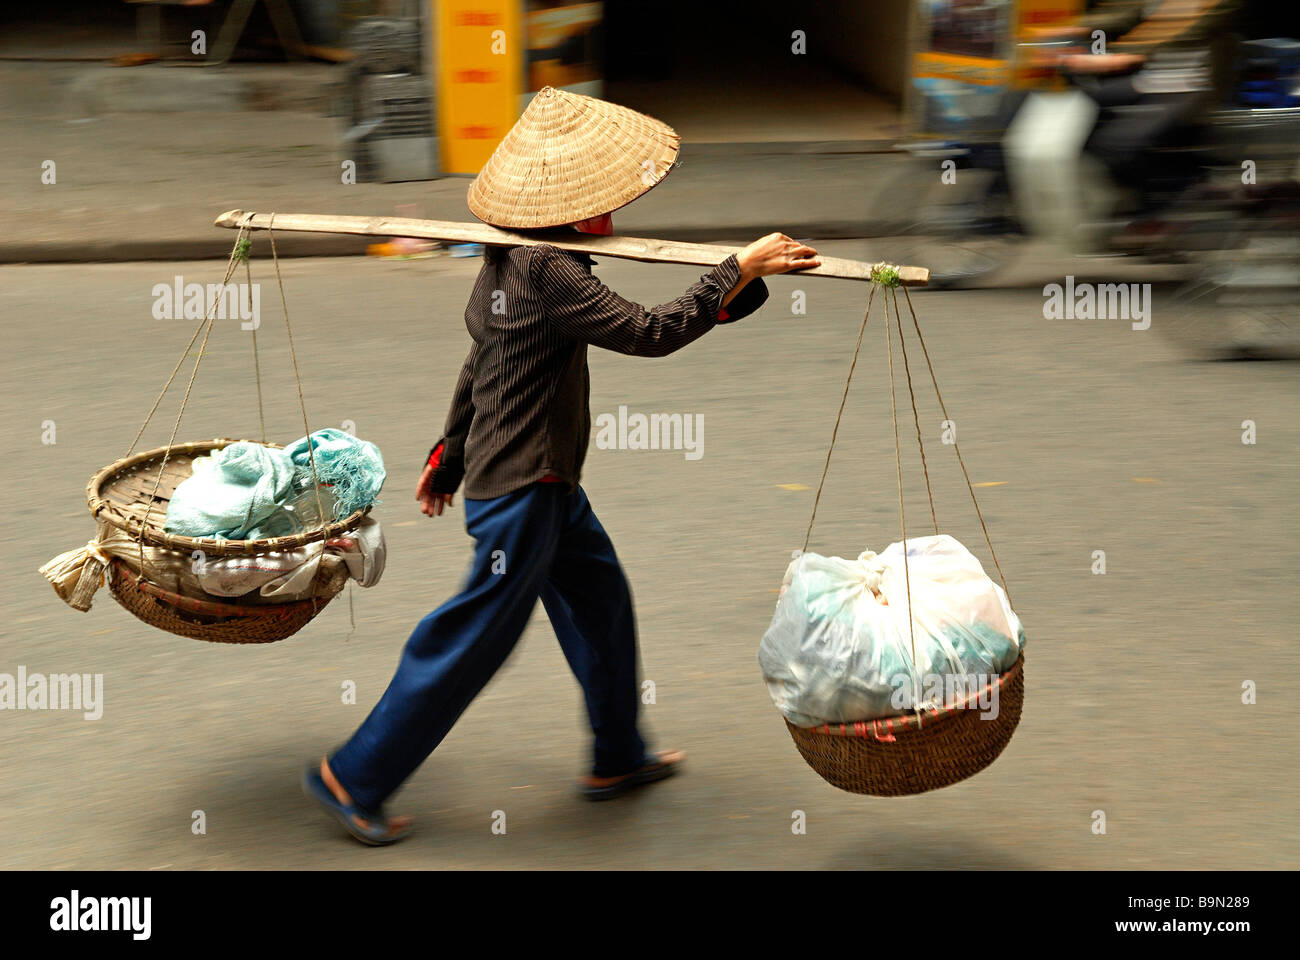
{"x":571,"y":157}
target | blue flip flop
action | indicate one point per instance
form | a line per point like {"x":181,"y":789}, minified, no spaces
{"x":656,"y":766}
{"x":377,"y":834}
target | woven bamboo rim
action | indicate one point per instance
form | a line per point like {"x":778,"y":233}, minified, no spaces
{"x":103,"y":508}
{"x":903,"y":723}
{"x":188,"y":617}
{"x":894,"y":756}
{"x":569,"y":158}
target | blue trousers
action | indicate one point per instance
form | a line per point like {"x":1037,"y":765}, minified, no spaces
{"x":541,"y":541}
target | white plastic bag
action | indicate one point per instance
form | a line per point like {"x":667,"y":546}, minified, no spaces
{"x":838,"y":649}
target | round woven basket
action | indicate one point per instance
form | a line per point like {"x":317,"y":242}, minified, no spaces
{"x":121,"y":494}
{"x":896,"y":757}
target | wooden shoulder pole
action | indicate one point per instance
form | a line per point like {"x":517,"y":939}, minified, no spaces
{"x":628,"y":248}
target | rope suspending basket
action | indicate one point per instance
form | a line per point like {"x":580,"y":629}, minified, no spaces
{"x":936,"y":746}
{"x":129,"y":499}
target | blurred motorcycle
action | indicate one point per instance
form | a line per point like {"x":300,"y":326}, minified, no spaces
{"x":1218,"y":195}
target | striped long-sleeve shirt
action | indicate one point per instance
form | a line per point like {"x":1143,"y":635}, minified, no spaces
{"x":520,"y":410}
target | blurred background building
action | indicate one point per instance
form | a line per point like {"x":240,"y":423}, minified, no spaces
{"x":1162,"y":131}
{"x":756,"y":71}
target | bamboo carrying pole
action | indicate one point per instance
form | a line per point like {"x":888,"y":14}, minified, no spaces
{"x":629,"y":248}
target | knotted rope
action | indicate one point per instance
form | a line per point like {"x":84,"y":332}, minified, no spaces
{"x":887,"y":276}
{"x":239,"y":252}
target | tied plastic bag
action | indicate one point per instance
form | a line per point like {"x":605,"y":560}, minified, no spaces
{"x":839,"y":650}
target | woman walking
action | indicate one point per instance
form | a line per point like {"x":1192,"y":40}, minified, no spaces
{"x":516,"y":437}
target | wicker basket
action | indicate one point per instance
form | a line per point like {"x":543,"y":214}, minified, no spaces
{"x":121,"y":493}
{"x":209,"y":620}
{"x":895,"y":757}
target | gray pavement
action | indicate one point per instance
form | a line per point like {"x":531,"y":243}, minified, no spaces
{"x":1100,"y":438}
{"x":145,"y":184}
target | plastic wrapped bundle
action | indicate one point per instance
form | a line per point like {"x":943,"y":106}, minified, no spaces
{"x":839,"y":648}
{"x":353,"y":469}
{"x":249,"y":491}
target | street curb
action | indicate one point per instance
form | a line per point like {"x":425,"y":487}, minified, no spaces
{"x":182,"y":87}
{"x":208,"y":248}
{"x":217,"y":246}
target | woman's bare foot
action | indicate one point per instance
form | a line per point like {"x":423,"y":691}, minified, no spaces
{"x":395,"y":824}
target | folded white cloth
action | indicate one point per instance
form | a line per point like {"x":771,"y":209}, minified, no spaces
{"x":289,"y":574}
{"x":366,"y":563}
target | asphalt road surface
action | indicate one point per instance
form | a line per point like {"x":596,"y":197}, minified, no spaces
{"x":1086,"y":436}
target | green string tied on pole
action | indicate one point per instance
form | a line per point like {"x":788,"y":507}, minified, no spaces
{"x":885,"y":275}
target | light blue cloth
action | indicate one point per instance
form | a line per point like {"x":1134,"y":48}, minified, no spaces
{"x":239,"y":491}
{"x":353,"y":468}
{"x":231,"y":493}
